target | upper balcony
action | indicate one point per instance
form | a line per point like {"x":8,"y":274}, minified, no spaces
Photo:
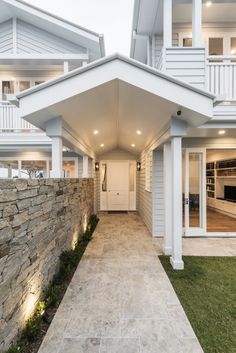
{"x":192,"y":40}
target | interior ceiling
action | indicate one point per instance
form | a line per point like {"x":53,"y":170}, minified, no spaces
{"x":117,"y":111}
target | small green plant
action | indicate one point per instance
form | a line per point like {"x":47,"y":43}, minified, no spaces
{"x":15,"y":349}
{"x":54,"y":294}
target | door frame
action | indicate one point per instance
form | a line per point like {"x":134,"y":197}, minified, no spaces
{"x":195,"y":231}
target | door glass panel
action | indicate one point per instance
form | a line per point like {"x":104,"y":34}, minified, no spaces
{"x":23,"y":85}
{"x":216,"y":46}
{"x":7,"y":88}
{"x":131,"y":176}
{"x":187,"y":42}
{"x":194,"y":189}
{"x":8,"y":169}
{"x":104,"y":176}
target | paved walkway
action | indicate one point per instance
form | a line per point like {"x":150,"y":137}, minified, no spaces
{"x":120,"y":299}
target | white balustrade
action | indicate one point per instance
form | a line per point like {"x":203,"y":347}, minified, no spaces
{"x":10,"y":119}
{"x":221,"y":79}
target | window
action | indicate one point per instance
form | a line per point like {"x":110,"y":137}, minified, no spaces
{"x":7,"y":88}
{"x":187,"y":42}
{"x":9,"y":169}
{"x":216,"y":46}
{"x":148,"y":164}
{"x":69,"y":169}
{"x":23,"y":85}
{"x":38,"y":82}
{"x":233,"y":46}
{"x":33,"y":169}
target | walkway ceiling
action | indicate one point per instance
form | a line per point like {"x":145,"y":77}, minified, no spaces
{"x":117,"y":97}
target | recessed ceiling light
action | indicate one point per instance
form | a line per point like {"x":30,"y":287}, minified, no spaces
{"x":208,"y":3}
{"x":95,"y":132}
{"x":233,"y":51}
{"x":133,"y":145}
{"x":138,"y":132}
{"x":102,"y":145}
{"x":221,"y":132}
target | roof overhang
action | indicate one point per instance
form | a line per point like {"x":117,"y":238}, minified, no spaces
{"x":53,"y":24}
{"x":113,"y":94}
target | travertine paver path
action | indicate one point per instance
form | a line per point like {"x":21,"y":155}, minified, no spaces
{"x":120,"y":299}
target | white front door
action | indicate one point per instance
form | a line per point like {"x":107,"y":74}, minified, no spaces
{"x":118,"y":185}
{"x":195,"y":192}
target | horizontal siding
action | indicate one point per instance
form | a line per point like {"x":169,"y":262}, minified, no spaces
{"x":158,"y":194}
{"x":6,"y":37}
{"x":187,"y":64}
{"x":144,"y":198}
{"x":31,"y":39}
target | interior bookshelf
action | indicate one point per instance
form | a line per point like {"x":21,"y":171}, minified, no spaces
{"x":217,"y":174}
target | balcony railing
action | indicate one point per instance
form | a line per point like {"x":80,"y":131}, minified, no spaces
{"x":221,"y":77}
{"x":10,"y":119}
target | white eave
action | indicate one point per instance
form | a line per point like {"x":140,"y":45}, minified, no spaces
{"x":53,"y":24}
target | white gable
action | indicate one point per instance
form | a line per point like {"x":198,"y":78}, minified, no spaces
{"x":6,"y":37}
{"x":31,"y":39}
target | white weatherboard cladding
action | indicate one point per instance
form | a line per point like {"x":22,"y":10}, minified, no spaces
{"x":158,"y":194}
{"x":144,"y":198}
{"x":6,"y":37}
{"x":31,"y":39}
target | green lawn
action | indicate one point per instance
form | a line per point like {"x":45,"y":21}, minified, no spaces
{"x":207,"y":292}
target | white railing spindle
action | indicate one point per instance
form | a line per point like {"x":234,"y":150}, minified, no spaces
{"x":10,"y":118}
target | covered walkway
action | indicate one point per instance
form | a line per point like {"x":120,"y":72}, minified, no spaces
{"x":120,"y":299}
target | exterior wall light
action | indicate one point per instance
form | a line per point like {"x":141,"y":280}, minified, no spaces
{"x":138,"y":166}
{"x":97,"y":167}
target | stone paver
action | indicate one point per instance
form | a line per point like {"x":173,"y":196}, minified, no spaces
{"x":203,"y":246}
{"x":120,"y":299}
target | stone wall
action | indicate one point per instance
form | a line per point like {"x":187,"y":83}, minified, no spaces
{"x":38,"y":220}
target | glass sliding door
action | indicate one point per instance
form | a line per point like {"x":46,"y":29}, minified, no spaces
{"x":195,"y":192}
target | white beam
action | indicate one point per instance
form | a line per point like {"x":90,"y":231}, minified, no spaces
{"x":176,"y":154}
{"x":197,"y":23}
{"x":56,"y":157}
{"x":66,"y":67}
{"x":167,"y":246}
{"x":14,"y":34}
{"x":167,"y":23}
{"x":85,"y":173}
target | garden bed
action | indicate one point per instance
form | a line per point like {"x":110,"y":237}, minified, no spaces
{"x":36,"y":328}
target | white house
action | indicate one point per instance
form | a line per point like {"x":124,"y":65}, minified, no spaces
{"x":158,"y":128}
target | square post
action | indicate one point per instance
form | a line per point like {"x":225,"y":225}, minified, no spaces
{"x":197,"y":23}
{"x":167,"y":246}
{"x":85,"y":173}
{"x":177,"y":228}
{"x":167,"y":23}
{"x":57,"y":157}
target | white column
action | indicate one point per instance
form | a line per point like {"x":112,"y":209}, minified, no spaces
{"x":85,"y":173}
{"x":66,"y":67}
{"x":167,"y":246}
{"x":197,"y":23}
{"x":167,"y":23}
{"x":176,"y":154}
{"x":56,"y":157}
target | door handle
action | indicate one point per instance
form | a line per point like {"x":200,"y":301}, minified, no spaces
{"x":186,"y":201}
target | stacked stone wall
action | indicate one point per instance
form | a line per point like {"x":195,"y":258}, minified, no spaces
{"x":39,"y":218}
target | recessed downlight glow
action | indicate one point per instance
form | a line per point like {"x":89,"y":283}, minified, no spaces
{"x":138,"y":132}
{"x":133,"y":145}
{"x":233,"y":51}
{"x":221,"y":132}
{"x":95,"y":132}
{"x":102,"y":144}
{"x":208,"y":3}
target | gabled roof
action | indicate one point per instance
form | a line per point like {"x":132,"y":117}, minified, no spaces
{"x":53,"y":24}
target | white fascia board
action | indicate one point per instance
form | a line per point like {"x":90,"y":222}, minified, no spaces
{"x":112,"y":68}
{"x":58,"y":57}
